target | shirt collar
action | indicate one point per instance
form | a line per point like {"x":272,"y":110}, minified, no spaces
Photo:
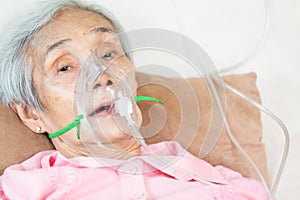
{"x":169,"y":158}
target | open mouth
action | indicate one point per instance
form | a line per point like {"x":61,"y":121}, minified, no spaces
{"x":103,"y":110}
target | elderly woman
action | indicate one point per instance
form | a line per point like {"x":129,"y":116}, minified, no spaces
{"x":40,"y":61}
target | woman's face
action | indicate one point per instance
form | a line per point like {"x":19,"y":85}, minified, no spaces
{"x":59,"y":50}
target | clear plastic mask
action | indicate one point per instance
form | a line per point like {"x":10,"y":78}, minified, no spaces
{"x":106,"y":92}
{"x":104,"y":96}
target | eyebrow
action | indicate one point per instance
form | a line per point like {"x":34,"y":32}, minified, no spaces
{"x":101,"y":29}
{"x":56,"y":45}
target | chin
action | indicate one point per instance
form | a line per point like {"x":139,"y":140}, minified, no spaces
{"x":115,"y":130}
{"x":116,"y":135}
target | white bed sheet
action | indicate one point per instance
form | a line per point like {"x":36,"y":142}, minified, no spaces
{"x":228,"y":30}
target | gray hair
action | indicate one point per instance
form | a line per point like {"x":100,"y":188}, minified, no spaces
{"x":15,"y":66}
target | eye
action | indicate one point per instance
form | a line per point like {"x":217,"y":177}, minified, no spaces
{"x":108,"y":55}
{"x":65,"y":68}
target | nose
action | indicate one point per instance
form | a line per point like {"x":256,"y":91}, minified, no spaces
{"x":104,"y":80}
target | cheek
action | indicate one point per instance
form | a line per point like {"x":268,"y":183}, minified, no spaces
{"x":59,"y":112}
{"x":127,"y":63}
{"x":57,"y":95}
{"x":56,"y":102}
{"x":122,"y":63}
{"x":58,"y":105}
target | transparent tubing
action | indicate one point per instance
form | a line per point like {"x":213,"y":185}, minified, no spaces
{"x":252,"y":53}
{"x":232,"y":138}
{"x":210,"y":77}
{"x":211,"y":81}
{"x":277,"y":120}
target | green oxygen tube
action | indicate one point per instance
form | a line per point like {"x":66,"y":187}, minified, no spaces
{"x":76,"y":122}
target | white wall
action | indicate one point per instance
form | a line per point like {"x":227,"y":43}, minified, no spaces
{"x":228,"y":31}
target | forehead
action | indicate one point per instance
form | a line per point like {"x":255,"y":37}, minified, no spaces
{"x":70,"y":23}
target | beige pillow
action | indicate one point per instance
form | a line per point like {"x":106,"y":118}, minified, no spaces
{"x":18,"y":143}
{"x":244,"y":120}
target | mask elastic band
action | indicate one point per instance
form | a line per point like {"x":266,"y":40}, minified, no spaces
{"x":76,"y":122}
{"x":146,"y":98}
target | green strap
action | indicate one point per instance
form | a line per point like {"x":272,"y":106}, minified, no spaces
{"x":76,"y":122}
{"x":146,"y":98}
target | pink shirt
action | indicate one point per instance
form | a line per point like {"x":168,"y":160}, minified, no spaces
{"x":49,"y":175}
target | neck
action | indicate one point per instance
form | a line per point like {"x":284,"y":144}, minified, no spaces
{"x":122,"y":150}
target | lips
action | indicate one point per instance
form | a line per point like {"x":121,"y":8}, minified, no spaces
{"x":104,"y":110}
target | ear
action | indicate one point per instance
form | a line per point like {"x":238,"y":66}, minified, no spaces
{"x":29,"y":116}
